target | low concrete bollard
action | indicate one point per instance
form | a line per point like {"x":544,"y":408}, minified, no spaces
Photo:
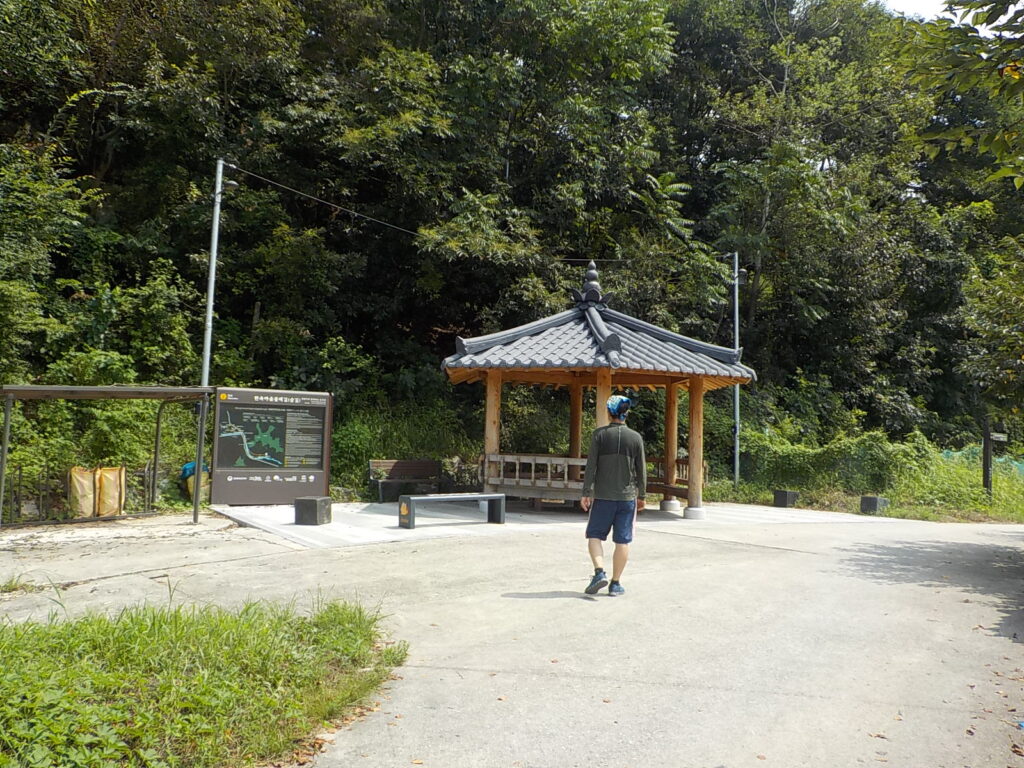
{"x":786,"y":498}
{"x":872,"y":505}
{"x":313,"y":510}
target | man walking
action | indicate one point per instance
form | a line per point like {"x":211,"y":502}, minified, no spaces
{"x":613,"y":492}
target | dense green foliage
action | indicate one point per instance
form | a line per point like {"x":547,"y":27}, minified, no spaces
{"x":506,"y":144}
{"x":917,"y":478}
{"x":161,"y":687}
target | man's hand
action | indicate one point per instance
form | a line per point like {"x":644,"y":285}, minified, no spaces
{"x":640,"y":504}
{"x":585,"y":502}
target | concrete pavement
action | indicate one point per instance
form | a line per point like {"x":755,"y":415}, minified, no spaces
{"x":758,"y":637}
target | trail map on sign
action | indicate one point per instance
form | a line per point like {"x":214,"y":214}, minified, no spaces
{"x":257,"y":436}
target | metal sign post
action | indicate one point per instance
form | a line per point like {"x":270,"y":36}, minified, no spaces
{"x":270,"y":446}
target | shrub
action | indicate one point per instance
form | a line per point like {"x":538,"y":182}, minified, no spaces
{"x":865,"y":463}
{"x":919,"y":479}
{"x":430,"y":431}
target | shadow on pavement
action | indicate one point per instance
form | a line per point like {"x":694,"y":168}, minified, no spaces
{"x":994,"y":570}
{"x":549,"y":595}
{"x":657,"y":515}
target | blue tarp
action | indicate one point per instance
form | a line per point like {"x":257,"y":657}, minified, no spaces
{"x":189,"y":469}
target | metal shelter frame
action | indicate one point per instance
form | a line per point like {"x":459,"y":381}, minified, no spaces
{"x":12,"y":392}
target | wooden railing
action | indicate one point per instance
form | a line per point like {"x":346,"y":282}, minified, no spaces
{"x":561,"y":477}
{"x":680,"y":488}
{"x":656,"y":471}
{"x":534,"y":475}
{"x":533,"y":470}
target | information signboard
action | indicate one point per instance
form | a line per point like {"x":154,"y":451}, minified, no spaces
{"x":270,"y":446}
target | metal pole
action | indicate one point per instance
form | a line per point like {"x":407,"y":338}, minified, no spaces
{"x":986,"y":457}
{"x":3,"y":451}
{"x":211,"y":280}
{"x":204,"y":381}
{"x":151,"y":501}
{"x":197,"y":487}
{"x":736,"y":387}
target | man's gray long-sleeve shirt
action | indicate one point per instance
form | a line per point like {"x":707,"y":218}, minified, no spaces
{"x":616,"y":467}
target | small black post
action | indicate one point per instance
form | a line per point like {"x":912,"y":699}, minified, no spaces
{"x":44,"y":489}
{"x":197,"y":488}
{"x":406,"y":512}
{"x":496,"y":510}
{"x":3,"y":451}
{"x":986,"y":457}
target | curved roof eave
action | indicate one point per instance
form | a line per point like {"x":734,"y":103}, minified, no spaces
{"x":589,"y":336}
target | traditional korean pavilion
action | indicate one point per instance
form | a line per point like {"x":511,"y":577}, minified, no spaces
{"x":591,"y":345}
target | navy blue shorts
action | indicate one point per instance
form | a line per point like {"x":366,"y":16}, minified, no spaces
{"x":615,"y":516}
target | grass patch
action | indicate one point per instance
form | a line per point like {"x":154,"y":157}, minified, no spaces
{"x":16,"y":584}
{"x":951,"y":489}
{"x":937,"y":489}
{"x":158,"y":687}
{"x":746,"y":493}
{"x":920,"y":480}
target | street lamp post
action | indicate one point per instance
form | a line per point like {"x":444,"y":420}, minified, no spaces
{"x":211,"y":275}
{"x":204,"y":379}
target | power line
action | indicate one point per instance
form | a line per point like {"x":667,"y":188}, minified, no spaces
{"x":370,"y":218}
{"x":321,"y":200}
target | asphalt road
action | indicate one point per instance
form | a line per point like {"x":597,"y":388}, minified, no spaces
{"x":759,"y":637}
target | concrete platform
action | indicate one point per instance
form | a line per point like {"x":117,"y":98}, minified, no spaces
{"x":353,"y":524}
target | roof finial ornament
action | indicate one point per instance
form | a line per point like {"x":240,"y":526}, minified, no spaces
{"x":591,"y":288}
{"x":591,"y":293}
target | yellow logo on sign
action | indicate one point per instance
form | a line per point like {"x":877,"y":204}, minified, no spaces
{"x":404,"y":509}
{"x":223,"y":396}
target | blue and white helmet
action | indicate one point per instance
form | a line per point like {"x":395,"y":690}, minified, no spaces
{"x":619,"y":405}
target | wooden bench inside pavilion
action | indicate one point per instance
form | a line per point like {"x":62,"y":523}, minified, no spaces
{"x":593,"y":346}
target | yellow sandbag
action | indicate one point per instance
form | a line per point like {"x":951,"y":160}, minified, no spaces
{"x":110,"y":490}
{"x":204,"y":492}
{"x":82,"y":484}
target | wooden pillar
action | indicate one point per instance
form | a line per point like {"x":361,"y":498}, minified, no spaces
{"x":695,"y":484}
{"x":575,"y":426}
{"x":671,"y":440}
{"x":492,"y":419}
{"x":604,"y":391}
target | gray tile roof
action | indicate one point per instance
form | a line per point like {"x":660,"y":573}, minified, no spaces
{"x":592,"y":336}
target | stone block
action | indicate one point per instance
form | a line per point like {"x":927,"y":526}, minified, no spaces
{"x":872,"y":505}
{"x":786,"y":498}
{"x":313,"y":510}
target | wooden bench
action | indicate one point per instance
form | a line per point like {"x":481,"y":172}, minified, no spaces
{"x":407,"y":505}
{"x":656,"y":478}
{"x":420,"y":474}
